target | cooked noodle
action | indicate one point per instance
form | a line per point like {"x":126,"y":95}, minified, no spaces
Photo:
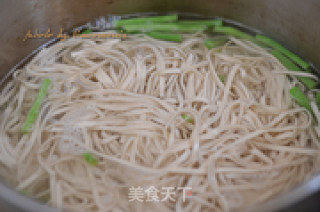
{"x":123,"y":101}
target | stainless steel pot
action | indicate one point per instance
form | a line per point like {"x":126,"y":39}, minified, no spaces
{"x":295,"y":23}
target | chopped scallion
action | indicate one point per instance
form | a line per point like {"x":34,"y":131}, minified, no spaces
{"x":90,"y":158}
{"x":87,"y":31}
{"x":165,"y":36}
{"x":300,"y":98}
{"x":222,"y":78}
{"x":208,"y":23}
{"x":146,"y":20}
{"x":187,"y":118}
{"x":35,"y":109}
{"x":318,"y":99}
{"x":215,"y":43}
{"x":275,"y":45}
{"x":164,"y":27}
{"x":233,"y":32}
{"x":310,"y":83}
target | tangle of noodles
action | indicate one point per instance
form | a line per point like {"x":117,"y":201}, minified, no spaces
{"x":123,"y":101}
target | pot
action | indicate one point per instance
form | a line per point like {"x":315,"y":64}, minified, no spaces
{"x":294,"y":23}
